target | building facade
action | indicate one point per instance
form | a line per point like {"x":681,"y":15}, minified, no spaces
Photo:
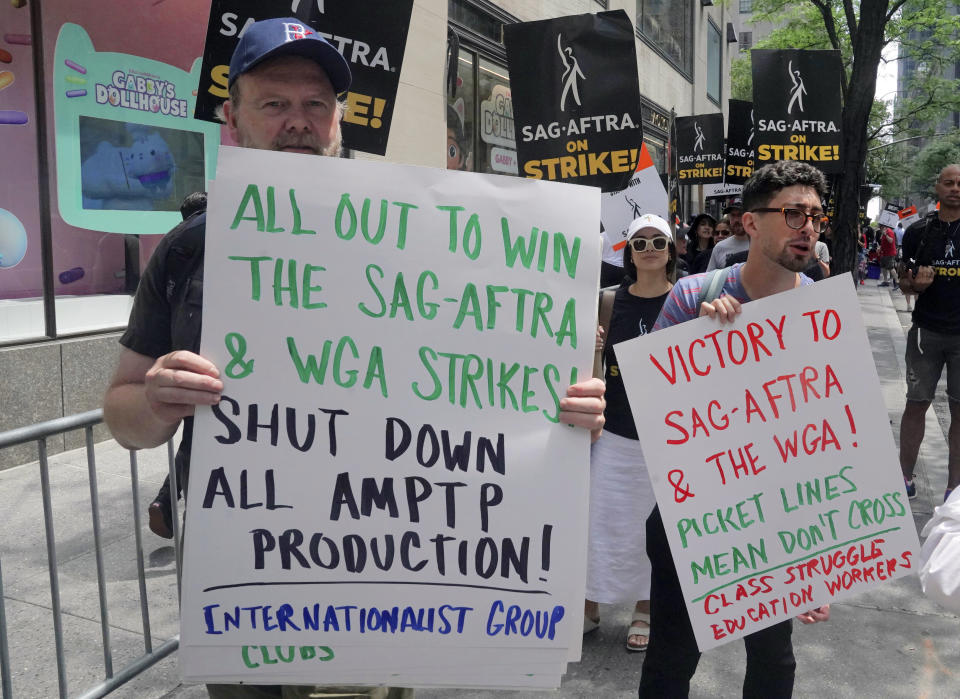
{"x":750,"y":30}
{"x":72,"y":242}
{"x":909,"y":66}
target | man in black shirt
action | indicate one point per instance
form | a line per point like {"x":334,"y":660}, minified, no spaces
{"x":931,"y":268}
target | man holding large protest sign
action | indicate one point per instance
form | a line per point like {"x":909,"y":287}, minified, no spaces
{"x":782,"y":211}
{"x":284,"y":81}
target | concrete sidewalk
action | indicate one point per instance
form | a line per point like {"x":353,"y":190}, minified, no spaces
{"x":890,"y":642}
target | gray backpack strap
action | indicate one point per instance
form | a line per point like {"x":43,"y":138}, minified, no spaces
{"x":712,"y":285}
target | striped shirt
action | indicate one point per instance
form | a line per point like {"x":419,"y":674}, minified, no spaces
{"x":681,"y":305}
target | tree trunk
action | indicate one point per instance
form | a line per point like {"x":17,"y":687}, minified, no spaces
{"x":867,"y":46}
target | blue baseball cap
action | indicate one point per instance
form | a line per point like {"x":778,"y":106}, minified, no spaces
{"x":288,"y":36}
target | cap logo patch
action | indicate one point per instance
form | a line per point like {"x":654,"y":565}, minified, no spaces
{"x":295,"y":31}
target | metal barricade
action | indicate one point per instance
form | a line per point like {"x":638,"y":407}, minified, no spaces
{"x":39,"y":433}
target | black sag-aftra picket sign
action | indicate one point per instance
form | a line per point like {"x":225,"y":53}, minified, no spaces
{"x":741,"y":137}
{"x":374,"y":50}
{"x":700,"y":150}
{"x":797,"y":106}
{"x":576,"y":98}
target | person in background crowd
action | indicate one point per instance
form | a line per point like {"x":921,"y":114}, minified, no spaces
{"x":720,"y":232}
{"x":888,"y":257}
{"x":862,"y":257}
{"x":817,"y":271}
{"x":782,"y":210}
{"x":682,"y":238}
{"x":701,"y":239}
{"x":821,"y":254}
{"x":930,"y":251}
{"x":827,"y":238}
{"x":738,"y":242}
{"x":621,"y":496}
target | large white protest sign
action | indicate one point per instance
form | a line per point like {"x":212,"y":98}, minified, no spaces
{"x":386,"y":469}
{"x":771,"y":457}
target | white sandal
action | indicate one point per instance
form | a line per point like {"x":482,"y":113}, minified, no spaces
{"x":639,"y":626}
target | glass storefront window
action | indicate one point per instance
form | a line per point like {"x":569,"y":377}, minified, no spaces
{"x":498,"y":146}
{"x":668,"y":26}
{"x":120,"y":153}
{"x":461,"y":121}
{"x":714,"y":62}
{"x":21,"y":262}
{"x":480,"y":131}
{"x":657,"y":148}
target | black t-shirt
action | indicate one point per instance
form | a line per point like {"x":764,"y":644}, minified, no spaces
{"x":701,"y":261}
{"x":693,"y":252}
{"x":937,"y":308}
{"x":814,"y":272}
{"x":166,"y":310}
{"x":632,"y":316}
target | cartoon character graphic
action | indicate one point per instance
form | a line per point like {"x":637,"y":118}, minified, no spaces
{"x":130,"y":177}
{"x":13,"y":240}
{"x":458,"y":157}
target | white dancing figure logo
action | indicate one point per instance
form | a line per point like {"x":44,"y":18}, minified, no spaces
{"x":750,"y":140}
{"x":797,"y":91}
{"x":698,"y":144}
{"x":571,"y":73}
{"x":296,"y":4}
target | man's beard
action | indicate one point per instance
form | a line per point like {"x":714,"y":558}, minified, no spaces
{"x":332,"y":149}
{"x":790,"y":261}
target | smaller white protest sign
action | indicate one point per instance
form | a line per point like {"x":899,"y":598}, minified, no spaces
{"x":644,"y":195}
{"x":888,"y":216}
{"x":909,"y":216}
{"x":771,"y":456}
{"x":713,"y":191}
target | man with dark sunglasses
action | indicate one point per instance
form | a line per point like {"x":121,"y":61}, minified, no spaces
{"x":782,"y":212}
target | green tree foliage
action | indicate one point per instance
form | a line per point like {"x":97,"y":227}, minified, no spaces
{"x":931,"y":159}
{"x":926,"y":31}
